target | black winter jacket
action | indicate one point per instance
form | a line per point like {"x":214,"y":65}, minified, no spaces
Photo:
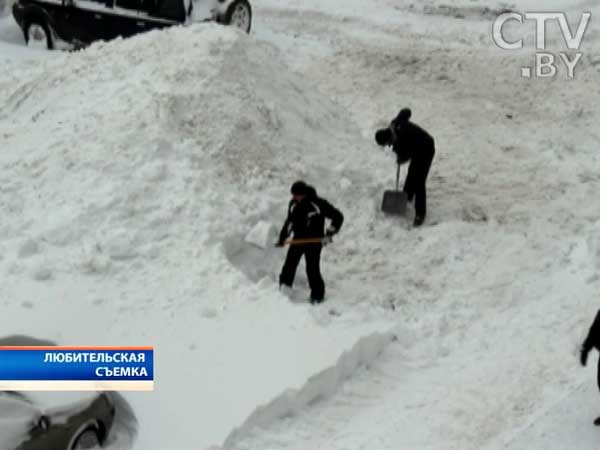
{"x":306,"y":219}
{"x":593,"y":338}
{"x":411,"y":142}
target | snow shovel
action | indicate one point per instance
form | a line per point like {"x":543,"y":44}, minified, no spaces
{"x":262,"y":234}
{"x":394,"y":202}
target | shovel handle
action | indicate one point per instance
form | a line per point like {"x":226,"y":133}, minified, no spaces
{"x":398,"y":176}
{"x":304,"y":241}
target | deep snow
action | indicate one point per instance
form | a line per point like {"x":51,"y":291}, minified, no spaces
{"x":151,"y":159}
{"x":137,"y":168}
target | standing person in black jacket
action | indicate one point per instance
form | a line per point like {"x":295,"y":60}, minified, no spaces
{"x":592,"y":341}
{"x":411,"y":143}
{"x":306,"y":219}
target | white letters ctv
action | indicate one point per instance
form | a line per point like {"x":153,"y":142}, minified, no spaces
{"x":508,"y":34}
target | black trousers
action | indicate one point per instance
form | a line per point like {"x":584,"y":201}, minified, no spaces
{"x":312,"y":257}
{"x":414,"y":185}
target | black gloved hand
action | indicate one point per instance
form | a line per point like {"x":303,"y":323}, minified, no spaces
{"x":279,"y":244}
{"x":583,"y":357}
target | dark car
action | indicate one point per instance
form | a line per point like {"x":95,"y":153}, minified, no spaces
{"x":77,"y":23}
{"x":24,"y":425}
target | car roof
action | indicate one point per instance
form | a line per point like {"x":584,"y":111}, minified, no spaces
{"x":22,"y":340}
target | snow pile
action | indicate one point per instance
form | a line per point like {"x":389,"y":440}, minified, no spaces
{"x":193,"y":114}
{"x":148,"y":141}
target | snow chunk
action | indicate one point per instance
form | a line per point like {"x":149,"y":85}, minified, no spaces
{"x":121,"y":246}
{"x":155,"y":172}
{"x":41,"y":272}
{"x":28,"y":248}
{"x":209,"y":313}
{"x":98,"y":263}
{"x":345,"y":183}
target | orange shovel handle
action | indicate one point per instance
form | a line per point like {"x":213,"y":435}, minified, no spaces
{"x":303,"y":241}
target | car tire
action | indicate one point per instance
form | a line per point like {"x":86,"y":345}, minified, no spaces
{"x":239,"y":15}
{"x":38,"y":34}
{"x":87,"y":439}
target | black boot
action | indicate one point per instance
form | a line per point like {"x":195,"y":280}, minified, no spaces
{"x":597,"y":422}
{"x":418,"y":221}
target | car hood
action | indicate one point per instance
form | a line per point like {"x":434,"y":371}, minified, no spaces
{"x":19,"y":414}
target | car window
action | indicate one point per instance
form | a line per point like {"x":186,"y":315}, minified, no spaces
{"x":133,"y":5}
{"x":149,"y":6}
{"x":94,"y":2}
{"x":171,"y":10}
{"x":94,"y":5}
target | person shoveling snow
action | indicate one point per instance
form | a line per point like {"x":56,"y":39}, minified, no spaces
{"x":306,"y":220}
{"x":411,"y":142}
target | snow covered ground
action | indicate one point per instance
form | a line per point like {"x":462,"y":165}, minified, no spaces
{"x":122,"y":213}
{"x":134,"y":169}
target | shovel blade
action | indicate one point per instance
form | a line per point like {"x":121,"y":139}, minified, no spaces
{"x":262,"y":235}
{"x":394,"y":202}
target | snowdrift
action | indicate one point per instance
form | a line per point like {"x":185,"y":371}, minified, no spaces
{"x":186,"y":124}
{"x":319,"y":387}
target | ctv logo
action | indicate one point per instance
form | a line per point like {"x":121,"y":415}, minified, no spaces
{"x":546,"y":64}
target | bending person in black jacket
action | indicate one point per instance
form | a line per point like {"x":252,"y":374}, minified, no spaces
{"x":592,"y":341}
{"x":306,"y":219}
{"x":411,"y":143}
